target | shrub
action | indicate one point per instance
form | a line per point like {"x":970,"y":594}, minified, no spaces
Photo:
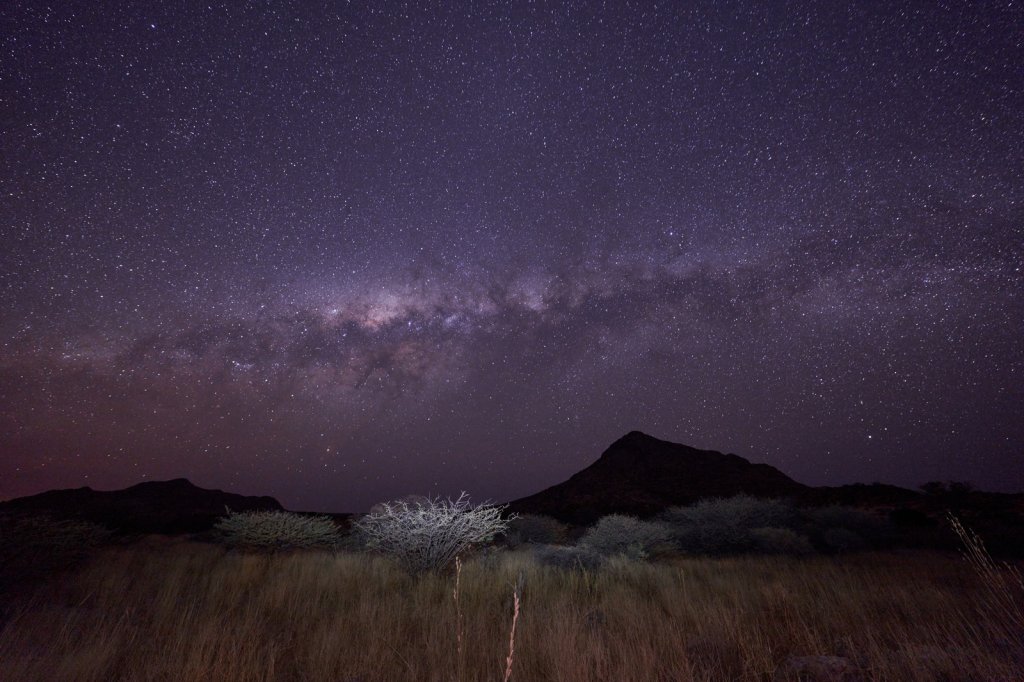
{"x":838,"y":516}
{"x":580,"y":558}
{"x":904,"y":517}
{"x":277,"y":530}
{"x":31,"y":546}
{"x":352,"y":541}
{"x":842,"y":540}
{"x":617,"y":534}
{"x":780,"y":541}
{"x":741,"y":511}
{"x":845,"y":529}
{"x":427,"y":534}
{"x":713,"y":538}
{"x":725,"y":525}
{"x":535,"y":529}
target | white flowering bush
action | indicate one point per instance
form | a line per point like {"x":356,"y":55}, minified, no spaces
{"x":427,"y":534}
{"x":277,"y":530}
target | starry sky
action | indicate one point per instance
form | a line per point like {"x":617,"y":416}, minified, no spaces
{"x":342,"y":252}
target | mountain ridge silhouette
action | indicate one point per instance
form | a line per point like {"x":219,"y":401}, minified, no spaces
{"x":173,"y":506}
{"x":642,"y":475}
{"x":637,"y":474}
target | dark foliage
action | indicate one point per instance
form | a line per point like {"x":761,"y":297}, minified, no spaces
{"x":727,"y":526}
{"x":568,"y":558}
{"x":744,"y":524}
{"x":535,"y":529}
{"x":33,"y":546}
{"x":619,"y":535}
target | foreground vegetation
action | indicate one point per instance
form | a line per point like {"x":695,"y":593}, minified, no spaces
{"x":194,"y":611}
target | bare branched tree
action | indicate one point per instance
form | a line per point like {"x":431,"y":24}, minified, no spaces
{"x":427,"y":534}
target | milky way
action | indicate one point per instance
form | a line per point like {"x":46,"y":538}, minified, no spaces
{"x":340,"y":253}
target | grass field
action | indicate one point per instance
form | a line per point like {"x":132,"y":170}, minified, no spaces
{"x":190,"y":611}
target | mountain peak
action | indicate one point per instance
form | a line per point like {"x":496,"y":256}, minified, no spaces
{"x":642,"y":475}
{"x":635,"y":437}
{"x":637,"y":448}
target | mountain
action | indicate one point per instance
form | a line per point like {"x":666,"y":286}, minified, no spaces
{"x":641,"y":475}
{"x":175,"y":506}
{"x":862,"y":495}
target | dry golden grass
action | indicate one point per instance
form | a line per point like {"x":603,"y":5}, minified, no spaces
{"x":197,"y":612}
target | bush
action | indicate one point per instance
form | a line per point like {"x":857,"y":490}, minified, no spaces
{"x":780,"y":541}
{"x":568,"y":558}
{"x":726,"y":525}
{"x":535,"y":529}
{"x":31,"y":546}
{"x":741,"y":511}
{"x":616,"y":534}
{"x":277,"y":530}
{"x":427,"y":534}
{"x":838,"y":516}
{"x":903,"y":517}
{"x":842,"y":540}
{"x":713,"y":538}
{"x":748,"y":524}
{"x":352,"y":541}
{"x":845,"y":529}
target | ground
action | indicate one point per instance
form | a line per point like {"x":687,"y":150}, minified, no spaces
{"x":191,"y":611}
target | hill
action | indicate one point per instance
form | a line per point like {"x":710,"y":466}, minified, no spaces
{"x":175,"y":506}
{"x":642,"y":475}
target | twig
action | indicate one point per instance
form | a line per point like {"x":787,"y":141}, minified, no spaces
{"x":404,"y":659}
{"x":458,"y":617}
{"x":512,"y":632}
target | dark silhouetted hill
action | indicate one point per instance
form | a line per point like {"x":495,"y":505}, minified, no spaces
{"x":880,"y":495}
{"x":175,"y":506}
{"x":642,"y":475}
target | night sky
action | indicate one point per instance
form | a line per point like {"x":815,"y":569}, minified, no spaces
{"x":338,"y":253}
